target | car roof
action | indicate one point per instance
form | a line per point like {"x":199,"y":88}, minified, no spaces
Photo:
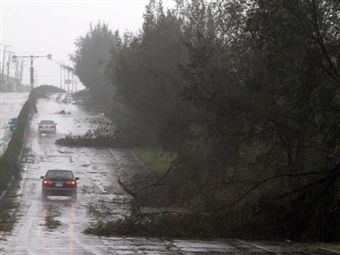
{"x":50,"y":121}
{"x":59,"y":170}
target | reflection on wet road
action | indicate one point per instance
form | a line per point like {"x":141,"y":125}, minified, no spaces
{"x":56,"y":226}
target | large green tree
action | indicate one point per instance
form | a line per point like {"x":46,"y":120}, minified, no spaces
{"x":148,"y":77}
{"x":264,"y":77}
{"x":93,"y":52}
{"x":247,"y":93}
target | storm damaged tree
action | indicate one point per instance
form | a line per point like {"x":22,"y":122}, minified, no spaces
{"x":147,"y":77}
{"x":271,"y":107}
{"x":247,"y":94}
{"x":296,"y":45}
{"x":262,"y":155}
{"x":90,"y":59}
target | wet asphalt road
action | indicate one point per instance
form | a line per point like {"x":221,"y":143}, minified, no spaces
{"x":10,"y":106}
{"x":56,"y":226}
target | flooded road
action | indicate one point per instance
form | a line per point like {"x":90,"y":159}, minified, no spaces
{"x":10,"y":106}
{"x":56,"y":226}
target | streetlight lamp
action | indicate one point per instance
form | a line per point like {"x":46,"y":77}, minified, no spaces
{"x":32,"y":57}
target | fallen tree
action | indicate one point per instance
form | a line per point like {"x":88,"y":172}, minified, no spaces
{"x":101,"y":135}
{"x":304,"y":207}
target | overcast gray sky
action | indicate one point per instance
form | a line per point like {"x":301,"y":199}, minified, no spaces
{"x":52,"y":26}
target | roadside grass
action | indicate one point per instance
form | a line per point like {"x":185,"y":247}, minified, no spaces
{"x":335,"y":247}
{"x":8,"y":211}
{"x":154,"y":158}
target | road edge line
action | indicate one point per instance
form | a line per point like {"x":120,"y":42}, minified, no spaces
{"x":138,"y":160}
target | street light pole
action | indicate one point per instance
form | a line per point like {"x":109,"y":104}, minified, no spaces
{"x":68,"y":81}
{"x":32,"y":73}
{"x":2,"y":83}
{"x":8,"y":71}
{"x":16,"y":84}
{"x":31,"y":57}
{"x":61,"y":76}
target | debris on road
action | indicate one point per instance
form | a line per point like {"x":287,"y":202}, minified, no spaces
{"x":102,"y":134}
{"x":63,"y":112}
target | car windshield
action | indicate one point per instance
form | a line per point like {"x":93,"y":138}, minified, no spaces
{"x":59,"y":174}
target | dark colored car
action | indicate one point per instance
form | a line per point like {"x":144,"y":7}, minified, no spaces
{"x":59,"y":183}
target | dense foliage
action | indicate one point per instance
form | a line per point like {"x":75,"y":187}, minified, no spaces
{"x":247,"y":94}
{"x":92,"y":55}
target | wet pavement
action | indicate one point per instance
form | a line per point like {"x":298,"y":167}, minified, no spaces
{"x":56,"y":226}
{"x":10,"y":106}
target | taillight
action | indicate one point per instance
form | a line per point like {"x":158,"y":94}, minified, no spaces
{"x":47,"y":182}
{"x":71,"y":183}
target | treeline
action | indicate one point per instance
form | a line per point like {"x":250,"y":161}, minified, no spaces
{"x":247,"y":94}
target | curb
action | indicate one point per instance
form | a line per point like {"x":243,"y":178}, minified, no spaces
{"x":140,"y":163}
{"x":327,"y":250}
{"x":138,"y":160}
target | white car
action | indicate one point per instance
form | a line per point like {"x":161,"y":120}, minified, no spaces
{"x":47,"y":126}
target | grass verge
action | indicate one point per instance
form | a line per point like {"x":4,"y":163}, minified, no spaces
{"x":154,"y":158}
{"x":8,"y":210}
{"x":334,"y":247}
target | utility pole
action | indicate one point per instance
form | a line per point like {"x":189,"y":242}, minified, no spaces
{"x":16,"y":84}
{"x":61,"y":76}
{"x":31,"y":58}
{"x":7,"y":84}
{"x":68,"y":81}
{"x":3,"y":69}
{"x":76,"y":84}
{"x":72,"y":82}
{"x":32,"y":73}
{"x":21,"y":71}
{"x":65,"y":76}
{"x":1,"y":63}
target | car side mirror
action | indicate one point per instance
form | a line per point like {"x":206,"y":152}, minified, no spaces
{"x":42,"y":177}
{"x":77,"y":178}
